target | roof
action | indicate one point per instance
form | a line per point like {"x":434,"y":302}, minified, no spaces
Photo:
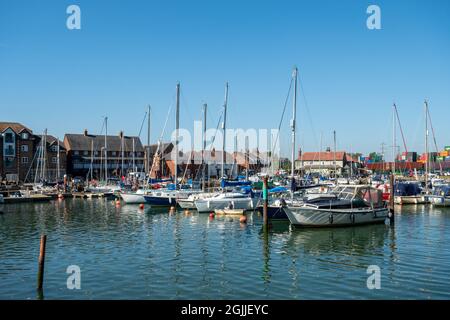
{"x":322,"y":156}
{"x":81,"y":142}
{"x":51,"y":140}
{"x":216,"y":156}
{"x":15,"y":126}
{"x":165,"y":147}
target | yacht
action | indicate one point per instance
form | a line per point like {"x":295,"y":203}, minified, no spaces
{"x":237,"y":200}
{"x":346,"y":205}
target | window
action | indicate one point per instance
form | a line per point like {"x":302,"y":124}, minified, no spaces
{"x":85,"y":153}
{"x":24,"y":136}
{"x":24,"y":159}
{"x":95,"y":153}
{"x":76,"y":153}
{"x":9,"y":151}
{"x":54,"y":160}
{"x":54,"y":149}
{"x":9,"y":138}
{"x":113,"y":153}
{"x":24,"y":148}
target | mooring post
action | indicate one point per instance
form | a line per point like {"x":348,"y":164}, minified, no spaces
{"x":266,"y":201}
{"x":391,"y":200}
{"x":40,"y":278}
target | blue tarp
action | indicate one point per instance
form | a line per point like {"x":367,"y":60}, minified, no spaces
{"x":406,"y":189}
{"x":442,"y":191}
{"x":278,"y":189}
{"x":226,"y":183}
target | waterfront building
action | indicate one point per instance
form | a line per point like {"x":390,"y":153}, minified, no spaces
{"x":86,"y":155}
{"x":325,"y":163}
{"x":17,"y":151}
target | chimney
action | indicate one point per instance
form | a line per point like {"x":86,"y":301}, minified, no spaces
{"x":85,"y":132}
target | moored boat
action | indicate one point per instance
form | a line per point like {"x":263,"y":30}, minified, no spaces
{"x":352,"y":205}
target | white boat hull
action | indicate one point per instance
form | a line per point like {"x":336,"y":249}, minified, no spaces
{"x":313,"y":217}
{"x":133,"y":198}
{"x":211,"y":205}
{"x":411,"y":200}
{"x":440,"y":201}
{"x":186,"y":204}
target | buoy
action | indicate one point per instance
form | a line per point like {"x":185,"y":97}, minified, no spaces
{"x":141,"y":206}
{"x":211,"y":215}
{"x":118,"y":203}
{"x":243,"y":219}
{"x":60,"y":196}
{"x":187,"y":212}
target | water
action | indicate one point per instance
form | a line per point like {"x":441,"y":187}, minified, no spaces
{"x":126,"y":253}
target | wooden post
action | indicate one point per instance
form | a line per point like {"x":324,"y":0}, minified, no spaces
{"x":391,"y":200}
{"x":40,"y":278}
{"x":265,"y":203}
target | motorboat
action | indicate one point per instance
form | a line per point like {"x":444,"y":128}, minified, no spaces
{"x":237,"y":200}
{"x":409,"y":193}
{"x":441,"y":196}
{"x":346,"y":205}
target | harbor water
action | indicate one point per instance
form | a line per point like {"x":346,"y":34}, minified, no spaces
{"x":124,"y":252}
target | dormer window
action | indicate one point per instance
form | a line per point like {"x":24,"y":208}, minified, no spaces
{"x":25,"y":136}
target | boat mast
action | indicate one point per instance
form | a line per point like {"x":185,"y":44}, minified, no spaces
{"x":177,"y":126}
{"x":44,"y":155}
{"x":92,"y":158}
{"x":122,"y":147}
{"x":205,"y":107}
{"x":294,"y":115}
{"x":148,"y":139}
{"x":58,"y":172}
{"x":106,"y":150}
{"x":224,"y":125}
{"x":134,"y":162}
{"x":427,"y":154}
{"x":335,"y":164}
{"x":393,"y":138}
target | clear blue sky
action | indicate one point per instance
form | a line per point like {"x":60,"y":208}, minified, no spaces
{"x":131,"y":53}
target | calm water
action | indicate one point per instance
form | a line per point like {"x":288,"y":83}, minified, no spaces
{"x":128,"y":253}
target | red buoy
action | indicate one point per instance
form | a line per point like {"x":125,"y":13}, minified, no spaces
{"x":141,"y":206}
{"x":211,"y":215}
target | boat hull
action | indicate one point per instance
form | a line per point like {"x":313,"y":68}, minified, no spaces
{"x":211,"y":205}
{"x":186,"y":204}
{"x":132,"y":198}
{"x":274,"y":212}
{"x":440,"y":201}
{"x":410,"y":200}
{"x":312,"y":217}
{"x":160,"y":201}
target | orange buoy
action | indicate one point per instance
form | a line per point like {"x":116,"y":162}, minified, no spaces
{"x":117,"y":202}
{"x":141,"y":206}
{"x":243,"y":219}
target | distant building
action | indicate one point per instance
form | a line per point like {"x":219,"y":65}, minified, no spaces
{"x":21,"y":156}
{"x":86,"y":152}
{"x":325,"y":163}
{"x":55,"y":168}
{"x":17,"y":151}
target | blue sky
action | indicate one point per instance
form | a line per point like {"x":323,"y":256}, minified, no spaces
{"x":131,"y":53}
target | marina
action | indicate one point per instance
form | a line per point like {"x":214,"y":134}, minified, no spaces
{"x":237,"y":150}
{"x":154,"y":254}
